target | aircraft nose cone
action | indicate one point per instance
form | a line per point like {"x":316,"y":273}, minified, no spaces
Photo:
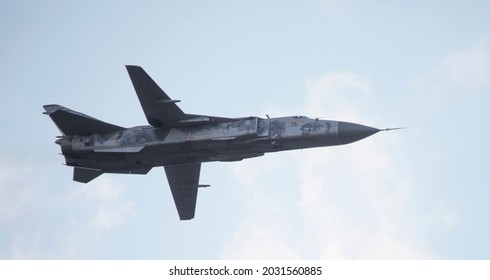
{"x":352,"y":132}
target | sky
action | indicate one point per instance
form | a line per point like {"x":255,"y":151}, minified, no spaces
{"x":417,"y":193}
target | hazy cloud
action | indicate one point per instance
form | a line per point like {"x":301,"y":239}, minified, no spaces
{"x":358,"y":201}
{"x":41,"y":219}
{"x":12,"y":197}
{"x":259,"y":240}
{"x":353,"y":201}
{"x":109,"y":207}
{"x":338,"y":93}
{"x":466,"y":69}
{"x":458,"y":76}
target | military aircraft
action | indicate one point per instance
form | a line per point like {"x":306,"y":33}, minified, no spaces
{"x":180,"y":142}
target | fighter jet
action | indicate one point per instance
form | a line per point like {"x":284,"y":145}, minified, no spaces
{"x":180,"y":142}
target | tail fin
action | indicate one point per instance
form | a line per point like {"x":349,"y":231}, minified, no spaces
{"x":70,"y":122}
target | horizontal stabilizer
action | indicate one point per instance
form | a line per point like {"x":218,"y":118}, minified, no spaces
{"x":70,"y":122}
{"x":83,"y":175}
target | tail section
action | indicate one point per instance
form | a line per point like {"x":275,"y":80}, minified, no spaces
{"x":70,"y":122}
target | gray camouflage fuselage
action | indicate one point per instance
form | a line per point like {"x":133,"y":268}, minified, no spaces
{"x":138,"y":149}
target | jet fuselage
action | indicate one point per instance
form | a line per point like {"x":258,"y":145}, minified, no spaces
{"x":138,"y":149}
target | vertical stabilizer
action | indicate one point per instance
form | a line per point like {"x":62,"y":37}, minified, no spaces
{"x":70,"y":122}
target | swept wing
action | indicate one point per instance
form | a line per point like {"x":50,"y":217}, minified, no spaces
{"x":160,"y":110}
{"x":184,"y":182}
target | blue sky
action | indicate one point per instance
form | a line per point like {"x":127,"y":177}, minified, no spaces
{"x":420,"y":193}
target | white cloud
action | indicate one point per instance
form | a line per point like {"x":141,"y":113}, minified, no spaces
{"x":354,"y":197}
{"x":353,"y":200}
{"x":41,"y":218}
{"x":361,"y":201}
{"x":340,"y":9}
{"x":12,"y":196}
{"x":338,"y":94}
{"x":459,"y":76}
{"x":353,"y":203}
{"x":263,"y":240}
{"x":22,"y":189}
{"x":107,"y":198}
{"x":466,"y":69}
